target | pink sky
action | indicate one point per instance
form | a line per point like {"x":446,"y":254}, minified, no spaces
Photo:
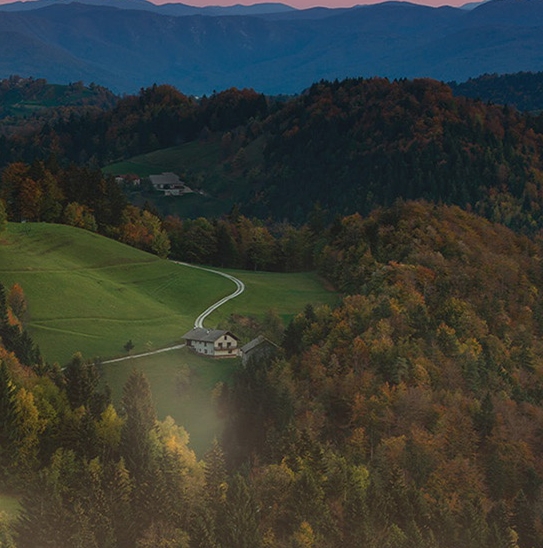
{"x":300,"y":4}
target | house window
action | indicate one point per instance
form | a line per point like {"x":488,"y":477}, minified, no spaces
{"x":220,"y":346}
{"x":228,"y":345}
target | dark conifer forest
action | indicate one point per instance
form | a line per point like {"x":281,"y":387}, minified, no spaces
{"x":410,"y":415}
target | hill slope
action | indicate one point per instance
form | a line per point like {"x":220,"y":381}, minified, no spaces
{"x":428,"y":378}
{"x":351,"y":145}
{"x":91,"y":294}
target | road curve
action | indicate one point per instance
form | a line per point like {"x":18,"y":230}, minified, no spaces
{"x":199,"y":322}
{"x":240,"y":288}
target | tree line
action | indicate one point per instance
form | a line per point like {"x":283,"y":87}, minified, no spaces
{"x":84,"y":198}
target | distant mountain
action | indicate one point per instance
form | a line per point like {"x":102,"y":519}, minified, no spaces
{"x":177,"y":9}
{"x":472,"y":5}
{"x":274,"y":50}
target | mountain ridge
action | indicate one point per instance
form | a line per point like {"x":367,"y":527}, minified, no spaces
{"x":126,"y":49}
{"x":178,"y":9}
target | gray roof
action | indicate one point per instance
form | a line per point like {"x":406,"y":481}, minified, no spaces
{"x":256,"y":342}
{"x":206,"y":335}
{"x":164,"y":179}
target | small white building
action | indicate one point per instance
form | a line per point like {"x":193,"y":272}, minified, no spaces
{"x":129,"y":179}
{"x":216,"y":343}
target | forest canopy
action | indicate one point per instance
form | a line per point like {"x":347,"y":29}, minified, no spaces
{"x":410,"y":415}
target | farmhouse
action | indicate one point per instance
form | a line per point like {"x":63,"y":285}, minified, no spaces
{"x":169,"y":184}
{"x":212,"y":342}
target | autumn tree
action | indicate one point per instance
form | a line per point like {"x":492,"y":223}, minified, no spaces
{"x":80,"y":216}
{"x":17,"y":302}
{"x":142,"y":229}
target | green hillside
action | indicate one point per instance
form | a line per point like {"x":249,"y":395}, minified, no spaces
{"x":285,"y":293}
{"x":91,"y":294}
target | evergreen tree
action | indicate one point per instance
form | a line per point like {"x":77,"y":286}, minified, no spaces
{"x":81,"y":381}
{"x":239,"y":521}
{"x":137,"y":450}
{"x":140,"y":416}
{"x":118,"y":492}
{"x":49,"y":518}
{"x":215,"y":475}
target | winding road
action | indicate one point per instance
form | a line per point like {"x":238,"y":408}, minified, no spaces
{"x":199,"y":322}
{"x":240,"y":288}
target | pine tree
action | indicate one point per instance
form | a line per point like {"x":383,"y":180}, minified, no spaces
{"x":137,"y":448}
{"x":215,"y":474}
{"x":140,"y":418}
{"x":118,"y":492}
{"x":81,"y":381}
{"x":239,"y":524}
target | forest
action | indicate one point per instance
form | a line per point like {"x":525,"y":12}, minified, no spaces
{"x":344,"y":146}
{"x":411,"y":415}
{"x":408,"y":416}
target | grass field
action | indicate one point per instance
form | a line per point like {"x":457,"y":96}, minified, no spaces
{"x":287,"y":294}
{"x":91,"y":294}
{"x":194,"y":156}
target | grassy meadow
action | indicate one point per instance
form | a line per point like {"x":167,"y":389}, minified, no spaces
{"x":91,"y":294}
{"x":287,"y":294}
{"x":195,"y":156}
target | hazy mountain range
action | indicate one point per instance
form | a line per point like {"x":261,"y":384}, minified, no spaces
{"x":270,"y":47}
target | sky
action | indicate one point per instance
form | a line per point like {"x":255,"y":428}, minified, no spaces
{"x":300,"y":4}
